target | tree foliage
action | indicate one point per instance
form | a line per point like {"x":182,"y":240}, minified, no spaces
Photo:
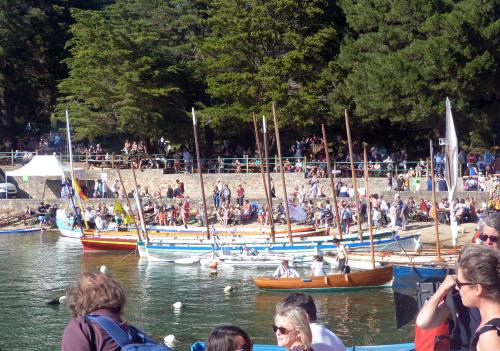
{"x":263,"y":51}
{"x":401,"y":59}
{"x":131,"y":67}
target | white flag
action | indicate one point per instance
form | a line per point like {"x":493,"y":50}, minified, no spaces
{"x":451,"y":167}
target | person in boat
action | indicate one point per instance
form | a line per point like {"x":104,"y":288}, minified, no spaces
{"x":285,"y":271}
{"x":228,"y":338}
{"x":291,"y":326}
{"x":323,"y":339}
{"x":318,"y":267}
{"x":436,"y":310}
{"x":96,"y":294}
{"x":342,"y":256}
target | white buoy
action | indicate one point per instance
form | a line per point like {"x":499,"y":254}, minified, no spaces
{"x":177,"y":306}
{"x":62,"y":299}
{"x":228,"y":289}
{"x":169,"y":340}
{"x":103,"y":269}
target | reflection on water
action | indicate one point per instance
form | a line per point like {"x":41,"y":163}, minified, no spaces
{"x":40,"y":267}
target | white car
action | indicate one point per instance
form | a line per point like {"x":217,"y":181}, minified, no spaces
{"x":7,"y":189}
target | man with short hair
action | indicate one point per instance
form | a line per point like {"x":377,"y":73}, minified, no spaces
{"x":323,"y":339}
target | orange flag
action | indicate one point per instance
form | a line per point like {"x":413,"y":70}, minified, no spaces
{"x":79,"y":190}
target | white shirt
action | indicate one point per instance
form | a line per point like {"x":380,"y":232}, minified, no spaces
{"x":324,"y":339}
{"x":282,"y":272}
{"x":318,"y":269}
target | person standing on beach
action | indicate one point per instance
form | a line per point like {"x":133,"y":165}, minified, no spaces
{"x":342,"y":256}
{"x":240,"y":195}
{"x":185,"y":212}
{"x":323,"y":339}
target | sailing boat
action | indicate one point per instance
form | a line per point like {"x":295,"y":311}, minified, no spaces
{"x":423,"y":264}
{"x":374,"y":277}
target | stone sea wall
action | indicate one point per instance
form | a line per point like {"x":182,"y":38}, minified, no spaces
{"x":38,"y":188}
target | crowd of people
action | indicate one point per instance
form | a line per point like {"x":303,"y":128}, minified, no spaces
{"x":463,"y":314}
{"x":97,"y":301}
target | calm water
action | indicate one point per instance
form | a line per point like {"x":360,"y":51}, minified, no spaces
{"x":34,"y":268}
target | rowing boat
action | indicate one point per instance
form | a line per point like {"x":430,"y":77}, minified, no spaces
{"x":20,"y":231}
{"x":199,"y":346}
{"x":378,"y":277}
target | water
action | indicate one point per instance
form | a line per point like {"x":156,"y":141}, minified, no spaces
{"x":35,"y":268}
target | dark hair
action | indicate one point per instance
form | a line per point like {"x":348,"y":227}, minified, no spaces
{"x":336,"y":241}
{"x":481,"y":265}
{"x":222,"y":338}
{"x":493,"y":220}
{"x":301,"y":300}
{"x":94,"y":291}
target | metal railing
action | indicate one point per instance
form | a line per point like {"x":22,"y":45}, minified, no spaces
{"x":244,"y":164}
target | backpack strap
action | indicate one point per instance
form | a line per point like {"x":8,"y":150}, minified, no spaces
{"x":492,"y":324}
{"x":112,"y":328}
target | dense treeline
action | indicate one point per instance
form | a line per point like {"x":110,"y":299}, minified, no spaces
{"x":134,"y":68}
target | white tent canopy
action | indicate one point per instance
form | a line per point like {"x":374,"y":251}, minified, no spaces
{"x":45,"y":166}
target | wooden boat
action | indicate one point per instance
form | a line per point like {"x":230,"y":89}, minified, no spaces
{"x":200,"y":346}
{"x":308,"y":245}
{"x":362,"y":260}
{"x":90,"y":243}
{"x":264,"y":260}
{"x":408,"y":274}
{"x":20,"y":231}
{"x":377,"y":277}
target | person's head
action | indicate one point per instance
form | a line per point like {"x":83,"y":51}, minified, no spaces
{"x":284,"y":263}
{"x":228,"y":338}
{"x":304,"y":301}
{"x":478,"y":274}
{"x":336,"y":241}
{"x":491,"y":230}
{"x":291,"y":327}
{"x":94,"y":291}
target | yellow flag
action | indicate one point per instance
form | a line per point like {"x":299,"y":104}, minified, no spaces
{"x":118,"y":208}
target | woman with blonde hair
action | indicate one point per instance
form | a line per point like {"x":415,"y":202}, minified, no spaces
{"x":292,"y":329}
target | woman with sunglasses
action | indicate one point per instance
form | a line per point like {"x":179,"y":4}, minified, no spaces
{"x":478,"y":281}
{"x":292,"y":329}
{"x":228,"y":338}
{"x":477,"y":305}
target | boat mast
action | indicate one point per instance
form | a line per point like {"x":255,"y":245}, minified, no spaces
{"x":368,"y":204}
{"x":129,"y":205}
{"x":332,"y":185}
{"x":70,"y":147}
{"x":285,"y":196}
{"x":200,"y":173}
{"x":434,"y":202}
{"x":139,"y":207}
{"x":353,"y":171}
{"x":268,"y":195}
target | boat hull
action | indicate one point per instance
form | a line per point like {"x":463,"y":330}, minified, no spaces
{"x":199,"y":346}
{"x":21,"y":231}
{"x":377,"y":277}
{"x":93,"y":244}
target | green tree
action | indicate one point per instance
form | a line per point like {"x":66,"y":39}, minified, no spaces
{"x":260,"y":51}
{"x":129,"y":70}
{"x":32,"y":38}
{"x":401,"y":59}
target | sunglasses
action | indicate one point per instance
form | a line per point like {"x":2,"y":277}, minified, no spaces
{"x":281,"y":329}
{"x":484,"y":237}
{"x":460,"y":284}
